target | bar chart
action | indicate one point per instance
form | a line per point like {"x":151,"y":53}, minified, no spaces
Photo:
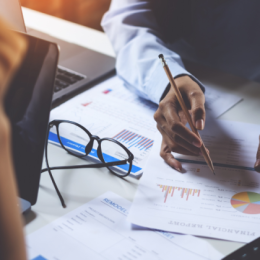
{"x":184,"y":193}
{"x":131,"y":139}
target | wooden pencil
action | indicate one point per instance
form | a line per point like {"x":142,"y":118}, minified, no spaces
{"x":186,"y":112}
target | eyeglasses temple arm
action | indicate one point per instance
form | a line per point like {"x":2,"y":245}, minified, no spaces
{"x":98,"y":165}
{"x":49,"y":170}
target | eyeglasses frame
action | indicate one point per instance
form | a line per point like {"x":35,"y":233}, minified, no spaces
{"x":93,"y":138}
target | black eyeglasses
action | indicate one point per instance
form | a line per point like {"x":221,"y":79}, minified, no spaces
{"x":78,"y":141}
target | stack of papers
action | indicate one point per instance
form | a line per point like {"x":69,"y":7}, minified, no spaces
{"x":193,"y":203}
{"x":110,"y":110}
{"x":98,"y":230}
{"x":196,"y":202}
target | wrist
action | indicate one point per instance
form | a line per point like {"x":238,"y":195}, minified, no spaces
{"x":183,"y":80}
{"x":179,"y":80}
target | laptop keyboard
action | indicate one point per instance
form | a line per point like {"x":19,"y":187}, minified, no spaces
{"x":66,"y":78}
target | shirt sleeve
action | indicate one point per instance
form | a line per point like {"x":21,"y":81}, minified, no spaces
{"x":135,"y":36}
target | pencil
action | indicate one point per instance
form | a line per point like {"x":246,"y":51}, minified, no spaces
{"x":186,"y":112}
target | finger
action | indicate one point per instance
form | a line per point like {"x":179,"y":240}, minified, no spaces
{"x":165,"y":153}
{"x":173,"y":146}
{"x":180,"y":134}
{"x":171,"y":124}
{"x":198,"y":114}
{"x":257,"y":163}
{"x":177,"y":141}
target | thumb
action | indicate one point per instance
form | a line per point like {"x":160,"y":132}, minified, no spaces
{"x":257,"y":163}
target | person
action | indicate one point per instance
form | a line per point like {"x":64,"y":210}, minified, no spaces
{"x":12,"y":245}
{"x":217,"y":33}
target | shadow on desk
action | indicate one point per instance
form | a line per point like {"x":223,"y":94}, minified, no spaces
{"x":215,"y":77}
{"x":66,"y":183}
{"x":29,"y":217}
{"x":246,"y":111}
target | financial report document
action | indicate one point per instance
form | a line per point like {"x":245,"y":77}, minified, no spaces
{"x":224,"y":206}
{"x":217,"y":103}
{"x":231,"y":144}
{"x":111,"y":110}
{"x":98,"y":230}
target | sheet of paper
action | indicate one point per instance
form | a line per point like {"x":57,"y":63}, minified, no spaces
{"x":197,"y":202}
{"x":231,"y":144}
{"x":99,"y":230}
{"x":217,"y":103}
{"x":110,"y":110}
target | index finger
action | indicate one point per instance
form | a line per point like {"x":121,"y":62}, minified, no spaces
{"x":177,"y":127}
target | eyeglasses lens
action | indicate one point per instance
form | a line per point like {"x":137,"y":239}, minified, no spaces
{"x":73,"y":138}
{"x":113,"y":152}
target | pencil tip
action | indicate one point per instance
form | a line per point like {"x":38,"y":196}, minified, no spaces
{"x":160,"y":56}
{"x":214,"y":173}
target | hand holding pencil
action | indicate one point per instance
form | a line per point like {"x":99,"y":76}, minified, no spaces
{"x":172,"y":116}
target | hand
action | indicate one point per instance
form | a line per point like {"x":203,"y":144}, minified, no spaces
{"x":257,"y":163}
{"x":12,"y":49}
{"x":171,"y":121}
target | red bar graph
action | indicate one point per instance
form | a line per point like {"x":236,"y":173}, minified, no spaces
{"x":184,"y":193}
{"x":131,"y":140}
{"x":107,"y":91}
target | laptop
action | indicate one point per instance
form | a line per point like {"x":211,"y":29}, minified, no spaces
{"x":27,"y":104}
{"x":79,"y":67}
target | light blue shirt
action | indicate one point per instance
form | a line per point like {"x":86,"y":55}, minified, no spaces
{"x":224,"y":35}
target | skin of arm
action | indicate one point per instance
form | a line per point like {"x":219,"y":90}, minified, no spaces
{"x":136,"y":37}
{"x":171,"y":122}
{"x":12,"y":245}
{"x":137,"y":40}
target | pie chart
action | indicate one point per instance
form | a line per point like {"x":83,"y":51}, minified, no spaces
{"x":246,"y":202}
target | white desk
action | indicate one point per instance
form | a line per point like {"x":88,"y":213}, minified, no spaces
{"x":80,"y":186}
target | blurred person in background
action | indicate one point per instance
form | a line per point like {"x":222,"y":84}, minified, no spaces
{"x":219,"y":33}
{"x":12,"y":245}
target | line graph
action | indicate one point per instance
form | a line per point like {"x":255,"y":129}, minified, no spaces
{"x":134,"y":140}
{"x":169,"y":191}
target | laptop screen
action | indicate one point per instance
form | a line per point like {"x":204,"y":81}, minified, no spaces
{"x":27,"y":105}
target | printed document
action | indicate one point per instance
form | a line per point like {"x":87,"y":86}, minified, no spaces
{"x":231,"y":144}
{"x":111,"y":110}
{"x":196,"y":202}
{"x":217,"y":103}
{"x":99,"y":230}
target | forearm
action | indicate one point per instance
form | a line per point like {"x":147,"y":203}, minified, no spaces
{"x":12,"y":244}
{"x":135,"y":36}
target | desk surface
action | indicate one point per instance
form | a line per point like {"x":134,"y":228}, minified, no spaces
{"x":79,"y":186}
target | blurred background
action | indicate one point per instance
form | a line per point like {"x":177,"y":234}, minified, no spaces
{"x":84,"y":12}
